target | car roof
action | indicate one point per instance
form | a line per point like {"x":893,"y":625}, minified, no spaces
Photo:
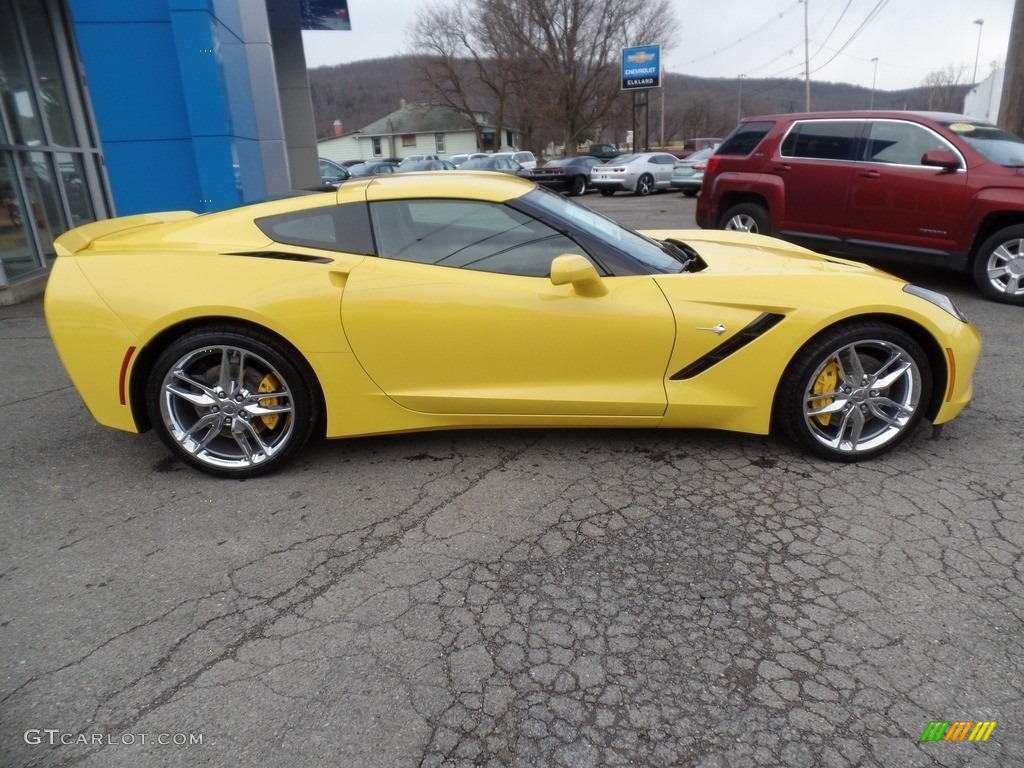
{"x":861,"y":114}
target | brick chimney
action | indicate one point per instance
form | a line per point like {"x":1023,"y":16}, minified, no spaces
{"x":338,"y":128}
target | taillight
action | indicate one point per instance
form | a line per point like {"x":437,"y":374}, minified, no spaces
{"x":700,"y":166}
{"x":711,"y":165}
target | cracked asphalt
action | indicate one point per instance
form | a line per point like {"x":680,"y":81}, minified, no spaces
{"x":511,"y":598}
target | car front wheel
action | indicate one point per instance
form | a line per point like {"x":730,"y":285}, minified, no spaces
{"x":607,"y":192}
{"x":579,"y":186}
{"x":232,"y":401}
{"x":999,"y":266}
{"x":645,"y":185}
{"x":855,"y":392}
{"x":746,"y":217}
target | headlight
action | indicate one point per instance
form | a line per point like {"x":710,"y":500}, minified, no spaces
{"x":940,"y":300}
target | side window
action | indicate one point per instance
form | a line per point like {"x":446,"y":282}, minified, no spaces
{"x":344,"y":228}
{"x":821,"y":140}
{"x":488,"y":237}
{"x":744,"y":139}
{"x":899,"y":143}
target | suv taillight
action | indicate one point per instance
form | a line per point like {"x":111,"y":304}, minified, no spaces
{"x":712,"y":165}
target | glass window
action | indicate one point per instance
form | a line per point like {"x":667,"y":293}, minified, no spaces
{"x":376,"y":146}
{"x":344,"y":228}
{"x":745,"y":138}
{"x":462,"y":233}
{"x":49,"y":80}
{"x":439,"y":143}
{"x":821,"y":140}
{"x":899,"y":143}
{"x":17,"y":97}
{"x":72,"y":174}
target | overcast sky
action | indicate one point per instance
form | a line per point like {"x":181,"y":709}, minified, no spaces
{"x":761,"y":38}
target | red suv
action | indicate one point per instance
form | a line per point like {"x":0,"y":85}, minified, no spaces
{"x":922,"y":187}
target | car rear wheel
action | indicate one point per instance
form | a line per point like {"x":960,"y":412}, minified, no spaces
{"x":690,"y":192}
{"x":746,"y":217}
{"x":645,"y":185}
{"x":999,"y":266}
{"x":579,"y":186}
{"x":856,"y":391}
{"x":232,"y":401}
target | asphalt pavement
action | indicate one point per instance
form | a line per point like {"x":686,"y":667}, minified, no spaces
{"x":511,"y":598}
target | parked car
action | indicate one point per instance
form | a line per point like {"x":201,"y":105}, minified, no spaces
{"x":418,"y":158}
{"x":696,"y":145}
{"x":500,"y":163}
{"x":526,"y":159}
{"x":459,"y":159}
{"x":373,"y":168}
{"x":332,"y":173}
{"x":426,"y":165}
{"x":920,"y":187}
{"x":566,"y":174}
{"x":689,"y":173}
{"x":604,"y":151}
{"x":640,"y":173}
{"x":451,"y":300}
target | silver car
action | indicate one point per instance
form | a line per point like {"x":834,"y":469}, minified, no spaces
{"x":689,"y":172}
{"x":640,"y":173}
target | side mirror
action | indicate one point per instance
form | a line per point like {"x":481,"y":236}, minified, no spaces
{"x":575,"y":269}
{"x":941,"y":158}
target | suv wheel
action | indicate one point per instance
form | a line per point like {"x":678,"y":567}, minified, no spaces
{"x":746,"y":217}
{"x":999,"y":266}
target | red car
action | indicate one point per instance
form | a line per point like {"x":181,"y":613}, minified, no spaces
{"x":921,"y":187}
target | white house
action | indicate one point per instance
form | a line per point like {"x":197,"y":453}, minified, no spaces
{"x":983,"y":100}
{"x":415,"y":129}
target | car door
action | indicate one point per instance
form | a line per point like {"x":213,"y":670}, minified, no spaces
{"x":664,"y":165}
{"x":458,"y":316}
{"x":895,"y":200}
{"x":814,"y":164}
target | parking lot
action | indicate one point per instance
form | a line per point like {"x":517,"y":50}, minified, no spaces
{"x":512,"y":598}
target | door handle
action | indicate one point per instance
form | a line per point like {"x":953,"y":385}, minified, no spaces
{"x":783,"y":167}
{"x":870,"y":174}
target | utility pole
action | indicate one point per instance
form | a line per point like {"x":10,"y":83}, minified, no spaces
{"x":1011,"y":108}
{"x":807,"y":60}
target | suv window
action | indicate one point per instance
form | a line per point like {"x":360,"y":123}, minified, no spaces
{"x":899,"y":143}
{"x":745,"y":138}
{"x":822,"y":139}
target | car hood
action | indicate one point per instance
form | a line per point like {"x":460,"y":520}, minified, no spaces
{"x":747,"y":253}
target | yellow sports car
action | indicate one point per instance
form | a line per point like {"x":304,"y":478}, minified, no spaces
{"x":464,"y":299}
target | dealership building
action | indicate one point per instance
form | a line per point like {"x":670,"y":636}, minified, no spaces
{"x":115,"y":107}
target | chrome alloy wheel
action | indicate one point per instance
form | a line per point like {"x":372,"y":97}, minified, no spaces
{"x":1005,"y":267}
{"x":862,"y":396}
{"x":227,"y":407}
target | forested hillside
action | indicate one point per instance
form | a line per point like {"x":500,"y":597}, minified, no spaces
{"x":357,"y":94}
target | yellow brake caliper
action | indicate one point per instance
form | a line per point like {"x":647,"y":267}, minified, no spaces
{"x":269,"y":384}
{"x":827,"y":381}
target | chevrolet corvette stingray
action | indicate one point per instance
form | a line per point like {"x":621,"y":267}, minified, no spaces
{"x":470,"y":299}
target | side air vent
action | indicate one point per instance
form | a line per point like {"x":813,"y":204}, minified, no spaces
{"x":284,"y":256}
{"x":757,"y":328}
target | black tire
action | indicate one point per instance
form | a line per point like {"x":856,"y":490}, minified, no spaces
{"x":644,"y":185}
{"x":690,"y":192}
{"x":746,"y":217}
{"x":855,"y":391}
{"x":247,"y":422}
{"x":579,"y":186}
{"x":607,"y":192}
{"x":998,"y":266}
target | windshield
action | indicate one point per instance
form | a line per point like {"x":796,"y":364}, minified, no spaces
{"x":997,"y":145}
{"x":652,"y":254}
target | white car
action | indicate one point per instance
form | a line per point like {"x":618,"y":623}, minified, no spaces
{"x":458,"y":160}
{"x":640,"y":173}
{"x":522,"y":156}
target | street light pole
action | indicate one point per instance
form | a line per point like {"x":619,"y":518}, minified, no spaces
{"x":977,"y":51}
{"x":739,"y":101}
{"x":874,"y":79}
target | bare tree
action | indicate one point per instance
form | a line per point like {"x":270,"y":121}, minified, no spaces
{"x":553,"y":63}
{"x":944,"y":90}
